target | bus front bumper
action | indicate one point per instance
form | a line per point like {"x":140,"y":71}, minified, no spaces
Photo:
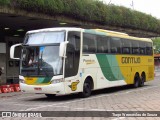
{"x":57,"y":88}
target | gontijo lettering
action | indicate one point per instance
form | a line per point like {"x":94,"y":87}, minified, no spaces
{"x":126,"y":60}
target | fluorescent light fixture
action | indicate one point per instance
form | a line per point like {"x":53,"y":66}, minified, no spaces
{"x":20,"y":30}
{"x":16,"y":35}
{"x":62,"y":23}
{"x":6,"y":28}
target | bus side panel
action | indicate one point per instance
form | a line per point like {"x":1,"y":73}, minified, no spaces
{"x":130,"y":65}
{"x":89,"y":66}
{"x":126,"y":72}
{"x":109,"y":73}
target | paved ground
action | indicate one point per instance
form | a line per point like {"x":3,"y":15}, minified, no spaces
{"x":123,"y":98}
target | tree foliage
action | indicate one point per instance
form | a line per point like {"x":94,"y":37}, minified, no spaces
{"x":156,"y":44}
{"x":90,"y":11}
{"x":4,"y":2}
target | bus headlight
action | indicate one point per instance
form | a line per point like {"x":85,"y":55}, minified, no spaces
{"x":57,"y":81}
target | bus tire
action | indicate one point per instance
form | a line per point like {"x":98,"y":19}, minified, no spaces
{"x":50,"y":95}
{"x":87,"y":89}
{"x":142,"y":80}
{"x":136,"y":80}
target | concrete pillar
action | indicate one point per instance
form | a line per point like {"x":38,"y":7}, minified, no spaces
{"x":3,"y":67}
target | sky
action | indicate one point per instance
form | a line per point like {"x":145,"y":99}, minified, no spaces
{"x":151,"y":7}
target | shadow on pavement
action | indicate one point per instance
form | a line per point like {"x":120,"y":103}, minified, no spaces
{"x":94,"y":94}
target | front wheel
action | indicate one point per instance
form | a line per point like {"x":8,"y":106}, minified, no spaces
{"x":86,"y":89}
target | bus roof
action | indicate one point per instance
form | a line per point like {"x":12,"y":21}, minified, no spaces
{"x":55,"y":29}
{"x":121,"y":35}
{"x":111,"y":32}
{"x":94,"y":31}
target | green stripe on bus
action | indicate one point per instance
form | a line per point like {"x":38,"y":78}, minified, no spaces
{"x":43,"y":80}
{"x":115,"y":67}
{"x":109,"y":67}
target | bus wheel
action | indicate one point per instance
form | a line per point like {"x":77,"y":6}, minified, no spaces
{"x":50,"y":95}
{"x":136,"y":80}
{"x":142,"y":80}
{"x":86,"y":89}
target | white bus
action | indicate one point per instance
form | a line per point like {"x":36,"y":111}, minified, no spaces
{"x":75,"y":60}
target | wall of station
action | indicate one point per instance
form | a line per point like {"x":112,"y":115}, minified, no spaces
{"x":9,"y":67}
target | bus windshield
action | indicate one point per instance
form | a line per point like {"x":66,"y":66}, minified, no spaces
{"x":41,"y":61}
{"x":40,"y":54}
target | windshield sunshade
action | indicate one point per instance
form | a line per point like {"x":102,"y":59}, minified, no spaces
{"x":44,"y":38}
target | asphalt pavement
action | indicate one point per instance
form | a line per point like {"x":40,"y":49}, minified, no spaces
{"x":124,"y":98}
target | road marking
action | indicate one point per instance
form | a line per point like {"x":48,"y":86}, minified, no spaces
{"x":18,"y":97}
{"x":84,"y":99}
{"x":25,"y":105}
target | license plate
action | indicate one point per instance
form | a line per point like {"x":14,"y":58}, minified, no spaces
{"x":38,"y":88}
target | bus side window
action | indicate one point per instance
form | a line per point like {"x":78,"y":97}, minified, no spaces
{"x":126,"y":50}
{"x":85,"y":48}
{"x":102,"y":44}
{"x":89,"y":43}
{"x":114,"y":50}
{"x":149,"y":49}
{"x":115,"y":44}
{"x":126,"y":46}
{"x":142,"y":48}
{"x":135,"y":47}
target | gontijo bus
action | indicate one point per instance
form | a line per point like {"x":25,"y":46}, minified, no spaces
{"x":76,"y":60}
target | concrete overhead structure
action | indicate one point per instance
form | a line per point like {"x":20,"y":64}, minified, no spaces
{"x":15,"y":23}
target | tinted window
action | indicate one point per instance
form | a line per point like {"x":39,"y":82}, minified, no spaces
{"x":126,"y":46}
{"x":115,"y":45}
{"x":142,"y":47}
{"x":149,"y":49}
{"x":89,"y":43}
{"x":102,"y":44}
{"x":135,"y":47}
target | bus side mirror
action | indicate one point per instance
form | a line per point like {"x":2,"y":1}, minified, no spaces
{"x":62,"y":48}
{"x":12,"y":51}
